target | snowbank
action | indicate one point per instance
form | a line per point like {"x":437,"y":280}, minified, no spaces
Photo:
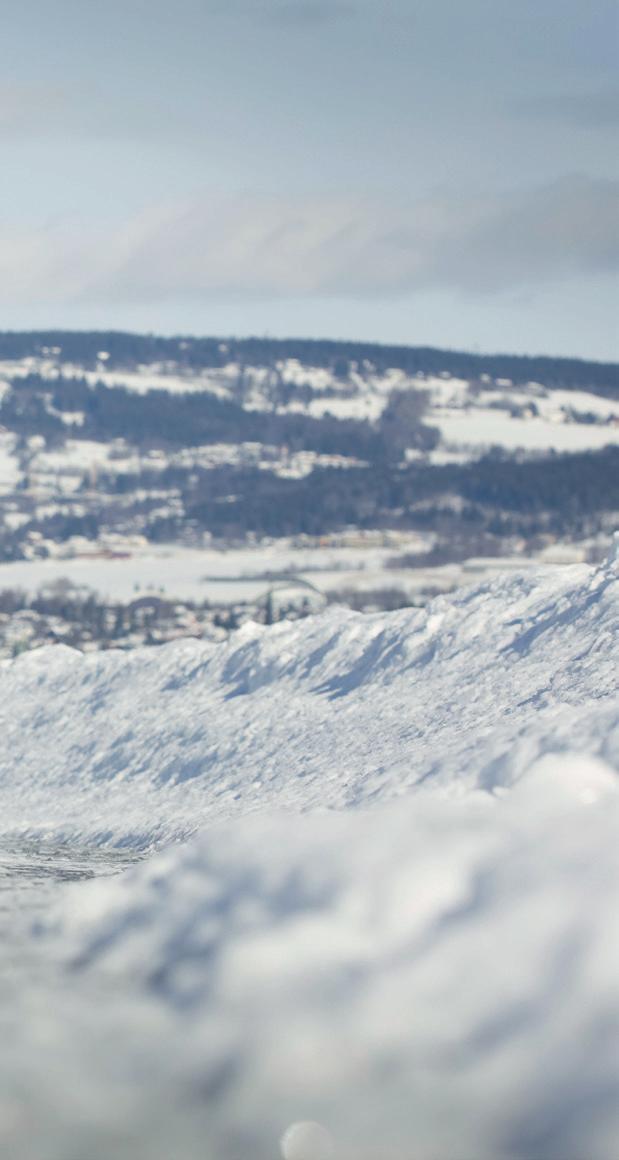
{"x":336,"y":711}
{"x":397,"y":918}
{"x":428,"y":978}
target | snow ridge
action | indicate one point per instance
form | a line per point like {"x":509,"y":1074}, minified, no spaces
{"x":395,"y":916}
{"x":336,"y":711}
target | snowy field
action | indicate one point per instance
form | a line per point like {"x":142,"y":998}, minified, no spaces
{"x":376,"y":887}
{"x":222,"y":576}
{"x":482,"y":428}
{"x":236,"y":575}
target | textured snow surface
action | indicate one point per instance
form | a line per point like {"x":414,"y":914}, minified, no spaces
{"x":393,"y":916}
{"x":427,"y":978}
{"x":334,"y":711}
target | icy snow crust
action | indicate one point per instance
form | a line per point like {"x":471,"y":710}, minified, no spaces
{"x":396,"y":915}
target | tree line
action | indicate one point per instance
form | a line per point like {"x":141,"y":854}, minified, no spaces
{"x":125,"y":350}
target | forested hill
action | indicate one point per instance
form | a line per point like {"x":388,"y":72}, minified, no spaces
{"x":127,"y":350}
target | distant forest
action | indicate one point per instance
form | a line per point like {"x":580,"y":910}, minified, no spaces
{"x":129,"y":350}
{"x":483,"y":502}
{"x":496,"y":495}
{"x":161,"y":419}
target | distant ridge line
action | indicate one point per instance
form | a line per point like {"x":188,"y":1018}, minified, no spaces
{"x":125,"y":348}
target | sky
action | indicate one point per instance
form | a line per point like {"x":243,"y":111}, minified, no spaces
{"x":434,"y":172}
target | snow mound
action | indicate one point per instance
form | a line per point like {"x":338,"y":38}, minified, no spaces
{"x":391,"y":932}
{"x":336,"y":711}
{"x":429,"y":977}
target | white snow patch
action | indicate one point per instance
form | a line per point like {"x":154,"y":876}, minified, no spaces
{"x":481,"y":428}
{"x":75,"y":457}
{"x":10,"y":473}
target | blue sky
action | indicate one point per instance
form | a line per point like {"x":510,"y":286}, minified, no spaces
{"x":406,"y":171}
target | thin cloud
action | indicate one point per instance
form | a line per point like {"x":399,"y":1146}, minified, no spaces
{"x":307,"y":13}
{"x":274,"y":247}
{"x":56,"y":113}
{"x":30,"y":110}
{"x":589,"y":110}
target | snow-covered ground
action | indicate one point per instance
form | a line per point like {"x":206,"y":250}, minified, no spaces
{"x":222,"y":576}
{"x":238,"y":575}
{"x":334,"y":711}
{"x":385,"y":899}
{"x":481,"y":428}
{"x":9,"y":464}
{"x":65,"y":469}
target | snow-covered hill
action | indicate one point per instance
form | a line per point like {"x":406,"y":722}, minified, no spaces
{"x":393,"y":910}
{"x":471,"y":415}
{"x":116,"y":447}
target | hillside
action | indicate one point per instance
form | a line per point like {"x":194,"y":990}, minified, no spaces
{"x":389,"y":902}
{"x":177,"y":439}
{"x":126,"y":350}
{"x":119,"y":452}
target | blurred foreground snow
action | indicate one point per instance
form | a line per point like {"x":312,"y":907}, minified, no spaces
{"x":394,"y":911}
